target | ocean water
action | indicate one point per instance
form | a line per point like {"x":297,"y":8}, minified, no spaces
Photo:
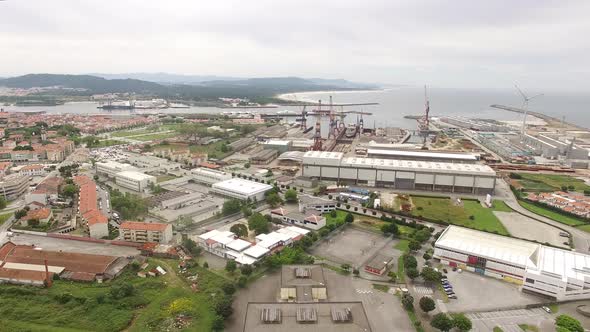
{"x":395,"y":103}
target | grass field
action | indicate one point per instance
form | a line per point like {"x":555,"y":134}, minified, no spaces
{"x":585,"y":228}
{"x":550,"y":182}
{"x":4,"y":217}
{"x":471,"y":214}
{"x":152,"y":305}
{"x":155,"y":136}
{"x":214,"y":150}
{"x":551,"y":214}
{"x":108,"y":142}
{"x":403,"y":245}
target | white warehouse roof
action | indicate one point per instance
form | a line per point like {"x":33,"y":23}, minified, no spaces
{"x":420,"y":154}
{"x":567,"y":264}
{"x":241,"y":186}
{"x":492,"y":246}
{"x":336,"y":159}
{"x":137,"y":176}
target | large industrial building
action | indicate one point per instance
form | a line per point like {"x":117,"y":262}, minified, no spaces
{"x":557,"y":273}
{"x":136,"y":181}
{"x":111,"y":168}
{"x":400,"y":174}
{"x":241,"y":189}
{"x":444,"y":157}
{"x":209,"y":176}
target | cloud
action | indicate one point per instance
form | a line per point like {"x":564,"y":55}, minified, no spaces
{"x":460,"y":43}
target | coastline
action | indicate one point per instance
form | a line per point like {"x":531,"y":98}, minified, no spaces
{"x":292,"y":96}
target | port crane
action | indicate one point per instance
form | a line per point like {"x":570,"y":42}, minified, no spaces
{"x":336,"y":117}
{"x":424,"y":121}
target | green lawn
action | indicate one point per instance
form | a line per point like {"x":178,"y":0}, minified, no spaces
{"x":551,"y":214}
{"x":162,"y":178}
{"x":4,"y":217}
{"x":498,"y":205}
{"x":442,"y":208}
{"x":340,"y":215}
{"x":402,"y":245}
{"x":585,"y":228}
{"x":70,"y":306}
{"x":155,"y":136}
{"x":382,"y":288}
{"x":108,"y":142}
{"x":550,"y":182}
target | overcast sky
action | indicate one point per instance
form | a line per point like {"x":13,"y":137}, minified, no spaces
{"x":471,"y":43}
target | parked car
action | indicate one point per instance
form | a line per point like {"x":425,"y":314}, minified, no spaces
{"x":445,"y":271}
{"x":454,"y":268}
{"x":452,"y":297}
{"x":564,"y":234}
{"x":547,"y":309}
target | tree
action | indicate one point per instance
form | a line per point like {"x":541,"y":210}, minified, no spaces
{"x":430,"y":275}
{"x":69,"y":190}
{"x":258,"y":223}
{"x":442,"y":322}
{"x":20,"y":213}
{"x":392,"y":276}
{"x":426,"y":256}
{"x":409,"y":261}
{"x":273,"y":199}
{"x":333,"y":214}
{"x":242,"y":281}
{"x":408,"y":301}
{"x":427,"y":304}
{"x":412,"y":273}
{"x":389,"y":229}
{"x":291,"y":196}
{"x":231,"y":266}
{"x":230,"y":206}
{"x":246,"y":270}
{"x":569,"y":323}
{"x":349,"y":218}
{"x":240,"y":230}
{"x":2,"y":203}
{"x":228,"y":288}
{"x":461,"y":322}
{"x":422,"y":235}
{"x":246,"y":211}
{"x":345,"y":267}
{"x":414,"y":245}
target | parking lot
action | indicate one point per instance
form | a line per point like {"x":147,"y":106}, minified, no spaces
{"x":352,"y":246}
{"x":527,"y":228}
{"x":509,"y":320}
{"x":480,"y":293}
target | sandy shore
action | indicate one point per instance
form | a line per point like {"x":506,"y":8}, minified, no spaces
{"x":297,"y":96}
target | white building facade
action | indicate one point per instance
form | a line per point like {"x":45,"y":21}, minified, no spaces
{"x":400,"y":174}
{"x":209,"y":176}
{"x":134,"y":180}
{"x":111,"y":168}
{"x":241,"y":189}
{"x":561,"y":274}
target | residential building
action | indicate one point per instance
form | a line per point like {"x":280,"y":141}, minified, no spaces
{"x":46,"y":191}
{"x":561,"y":274}
{"x":4,"y":168}
{"x":134,"y":180}
{"x":241,"y":189}
{"x":32,"y":170}
{"x":43,"y":215}
{"x":88,"y":209}
{"x":146,"y":232}
{"x":378,"y":264}
{"x":13,"y":186}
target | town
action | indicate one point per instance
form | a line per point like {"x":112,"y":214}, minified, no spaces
{"x":285,"y":226}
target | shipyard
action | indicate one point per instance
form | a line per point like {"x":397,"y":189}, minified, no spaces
{"x":367,"y":166}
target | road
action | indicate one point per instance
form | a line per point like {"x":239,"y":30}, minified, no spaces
{"x":509,"y":320}
{"x":580,"y":238}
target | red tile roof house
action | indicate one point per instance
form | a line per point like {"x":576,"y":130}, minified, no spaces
{"x":43,"y":215}
{"x":98,"y":223}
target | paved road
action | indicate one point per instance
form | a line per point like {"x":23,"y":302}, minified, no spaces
{"x":580,"y":238}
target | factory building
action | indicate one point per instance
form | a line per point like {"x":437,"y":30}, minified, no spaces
{"x":153,"y":162}
{"x":400,"y":174}
{"x":241,"y":189}
{"x":478,"y":125}
{"x":557,"y":273}
{"x":264,"y":157}
{"x":552,"y":148}
{"x":134,"y":180}
{"x":209,"y":176}
{"x":111,"y":168}
{"x":465,"y":158}
{"x":280,"y":146}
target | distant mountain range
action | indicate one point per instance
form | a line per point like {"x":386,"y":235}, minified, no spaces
{"x":179,"y":86}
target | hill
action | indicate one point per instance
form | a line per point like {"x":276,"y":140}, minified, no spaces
{"x":205,"y":90}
